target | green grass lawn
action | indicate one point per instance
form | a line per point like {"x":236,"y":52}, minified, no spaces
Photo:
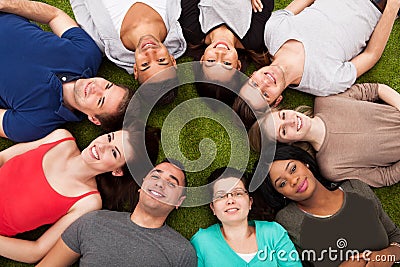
{"x":188,"y":220}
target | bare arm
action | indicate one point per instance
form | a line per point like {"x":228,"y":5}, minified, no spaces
{"x":389,"y":95}
{"x":59,"y":255}
{"x":21,"y":148}
{"x":33,"y":251}
{"x":57,"y":19}
{"x":296,"y":6}
{"x":376,"y":45}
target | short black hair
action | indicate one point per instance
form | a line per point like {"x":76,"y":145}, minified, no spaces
{"x":152,"y":90}
{"x":178,"y":164}
{"x":113,"y":121}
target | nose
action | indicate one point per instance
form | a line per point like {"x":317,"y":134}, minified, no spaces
{"x":151,"y":53}
{"x":160,"y":183}
{"x":230,"y":199}
{"x":96,"y":89}
{"x":289,"y":120}
{"x":220,"y":53}
{"x":294,"y":180}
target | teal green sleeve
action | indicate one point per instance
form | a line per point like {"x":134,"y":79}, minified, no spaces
{"x":291,"y":256}
{"x":195,"y":242}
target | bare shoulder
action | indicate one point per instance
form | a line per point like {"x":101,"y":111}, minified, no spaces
{"x":88,"y":203}
{"x":56,"y":135}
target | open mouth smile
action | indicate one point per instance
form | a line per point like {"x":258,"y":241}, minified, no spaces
{"x":221,"y":45}
{"x":94,"y":153}
{"x":155,"y":194}
{"x":299,"y":123}
{"x":270,"y":77}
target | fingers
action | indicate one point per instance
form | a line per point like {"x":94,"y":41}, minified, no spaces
{"x":257,"y":5}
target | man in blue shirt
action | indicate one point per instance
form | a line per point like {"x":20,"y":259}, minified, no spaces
{"x":45,"y":76}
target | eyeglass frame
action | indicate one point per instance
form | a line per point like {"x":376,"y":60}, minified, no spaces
{"x":234,"y":195}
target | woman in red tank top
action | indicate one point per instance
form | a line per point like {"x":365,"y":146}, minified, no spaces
{"x":50,"y":181}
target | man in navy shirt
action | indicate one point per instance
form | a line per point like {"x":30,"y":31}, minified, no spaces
{"x":46,"y":76}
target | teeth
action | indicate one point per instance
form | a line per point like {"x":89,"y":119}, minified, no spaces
{"x":155,"y":193}
{"x":222,"y":46}
{"x":298,"y":123}
{"x":147,"y":45}
{"x":271,"y":77}
{"x":232,"y":210}
{"x":95,"y":153}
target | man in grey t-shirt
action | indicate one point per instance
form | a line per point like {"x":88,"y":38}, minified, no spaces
{"x":109,"y":238}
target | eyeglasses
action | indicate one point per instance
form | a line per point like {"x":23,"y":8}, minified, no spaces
{"x":255,"y":86}
{"x":238,"y":193}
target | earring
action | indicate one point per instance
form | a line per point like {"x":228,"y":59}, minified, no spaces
{"x":284,"y":197}
{"x":307,"y":165}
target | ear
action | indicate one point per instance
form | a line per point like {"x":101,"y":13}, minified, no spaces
{"x":173,"y":60}
{"x":202,"y":57}
{"x":118,"y":172}
{"x":278,"y":101}
{"x":135,"y":71}
{"x":239,"y":66}
{"x":212,"y":207}
{"x":94,"y":120}
{"x":180,"y":201}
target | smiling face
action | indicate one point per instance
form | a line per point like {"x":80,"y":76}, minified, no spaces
{"x":151,"y":57}
{"x":292,"y":179}
{"x":231,"y":202}
{"x":264,"y":87}
{"x":106,"y":153}
{"x":163,"y":187}
{"x":220,"y":58}
{"x":286,"y":126}
{"x":96,"y":96}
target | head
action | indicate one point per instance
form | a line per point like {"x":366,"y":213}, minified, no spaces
{"x":151,"y":57}
{"x":107,"y":153}
{"x":162,"y":189}
{"x":285,"y":126}
{"x":219,"y":58}
{"x":293,"y":176}
{"x":102,"y":101}
{"x":119,"y":192}
{"x":264,"y":88}
{"x":231,"y":202}
{"x":217,"y":82}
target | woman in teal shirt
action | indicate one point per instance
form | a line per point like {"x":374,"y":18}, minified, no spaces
{"x":235,"y":241}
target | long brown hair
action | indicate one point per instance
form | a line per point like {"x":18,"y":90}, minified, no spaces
{"x":120,"y":193}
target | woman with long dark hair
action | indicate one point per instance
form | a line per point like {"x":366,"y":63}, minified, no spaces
{"x":348,"y":220}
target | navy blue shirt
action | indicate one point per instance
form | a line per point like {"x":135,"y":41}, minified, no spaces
{"x":30,"y":90}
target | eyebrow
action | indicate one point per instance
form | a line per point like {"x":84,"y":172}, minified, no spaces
{"x":116,"y":148}
{"x":287,"y":166}
{"x":108,"y":86}
{"x":160,"y":63}
{"x":173,"y":177}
